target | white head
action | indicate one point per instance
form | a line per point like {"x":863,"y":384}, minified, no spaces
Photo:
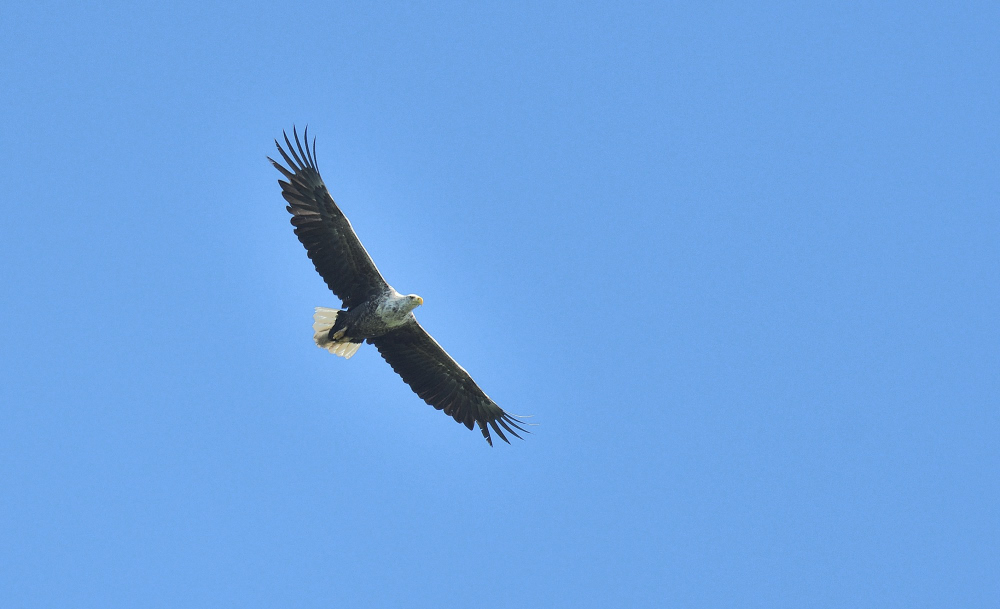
{"x":398,"y":305}
{"x":413,"y":301}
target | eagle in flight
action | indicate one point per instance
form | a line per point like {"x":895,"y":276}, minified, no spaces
{"x":373,"y":311}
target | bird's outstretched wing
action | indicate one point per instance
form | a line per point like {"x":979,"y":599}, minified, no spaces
{"x":441,"y":382}
{"x":323,"y":229}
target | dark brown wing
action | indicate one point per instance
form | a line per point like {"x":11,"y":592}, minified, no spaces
{"x":323,"y":229}
{"x":441,"y":382}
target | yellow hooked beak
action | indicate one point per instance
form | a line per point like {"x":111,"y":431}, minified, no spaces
{"x":420,"y":300}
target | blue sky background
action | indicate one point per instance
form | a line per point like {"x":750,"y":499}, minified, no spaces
{"x":739,"y":260}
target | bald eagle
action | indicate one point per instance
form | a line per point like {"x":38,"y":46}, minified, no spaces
{"x":373,"y":311}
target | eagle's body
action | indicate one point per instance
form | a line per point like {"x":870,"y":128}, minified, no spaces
{"x":379,"y":315}
{"x":340,"y":331}
{"x":375,"y":312}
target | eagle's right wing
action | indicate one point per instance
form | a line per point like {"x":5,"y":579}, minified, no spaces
{"x":323,"y":229}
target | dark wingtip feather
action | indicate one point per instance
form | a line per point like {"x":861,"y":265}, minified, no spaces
{"x":305,"y":136}
{"x":503,"y":422}
{"x":513,"y":420}
{"x":291,"y":148}
{"x":498,"y":431}
{"x":291,"y":165}
{"x":281,"y":168}
{"x":298,"y":144}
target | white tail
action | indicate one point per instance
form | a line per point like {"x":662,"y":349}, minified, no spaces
{"x":323,"y":320}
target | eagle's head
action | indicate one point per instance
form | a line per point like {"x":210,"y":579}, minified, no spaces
{"x":414,"y":301}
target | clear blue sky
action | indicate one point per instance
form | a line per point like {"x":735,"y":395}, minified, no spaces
{"x":741,"y":261}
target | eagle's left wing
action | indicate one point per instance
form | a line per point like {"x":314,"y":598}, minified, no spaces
{"x":441,"y":382}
